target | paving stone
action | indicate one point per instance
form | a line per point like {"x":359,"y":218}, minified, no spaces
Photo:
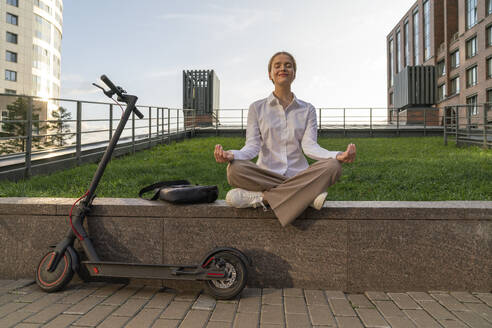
{"x":27,"y":325}
{"x":273,"y":314}
{"x":371,"y":318}
{"x":293,"y":292}
{"x":204,"y":302}
{"x":9,"y":308}
{"x":388,"y":309}
{"x":272,"y":296}
{"x":121,"y":295}
{"x":484,"y":297}
{"x":113,"y":322}
{"x":472,"y":319}
{"x":249,"y":302}
{"x":295,"y":305}
{"x":84,"y":306}
{"x":130,"y":308}
{"x":449,"y":302}
{"x":377,"y":296}
{"x":195,"y":318}
{"x":146,"y":292}
{"x":341,"y":307}
{"x":61,"y":321}
{"x":30,"y":298}
{"x":403,"y":301}
{"x":422,"y":318}
{"x":107,"y":290}
{"x":95,"y":316}
{"x":334,"y":294}
{"x":348,"y":322}
{"x":186,"y":296}
{"x":160,"y":300}
{"x":41,"y":303}
{"x":271,"y":325}
{"x":246,"y":320}
{"x":420,"y":296}
{"x":452,"y":324}
{"x":6,"y":282}
{"x":219,"y":324}
{"x":8,"y":298}
{"x":16,"y":284}
{"x":166,"y":323}
{"x":465,"y":297}
{"x":14,"y":318}
{"x":297,"y":320}
{"x":48,"y":313}
{"x":359,"y":301}
{"x":400,"y":322}
{"x":483,"y":310}
{"x":321,"y":315}
{"x":176,"y":310}
{"x":76,"y":296}
{"x":224,"y":312}
{"x":144,"y":318}
{"x":315,"y":297}
{"x":437,"y":311}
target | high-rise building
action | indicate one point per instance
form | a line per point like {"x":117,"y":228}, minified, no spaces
{"x":454,"y":36}
{"x":201,"y":91}
{"x":31,"y":34}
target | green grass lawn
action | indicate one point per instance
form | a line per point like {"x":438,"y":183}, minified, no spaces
{"x":416,"y":169}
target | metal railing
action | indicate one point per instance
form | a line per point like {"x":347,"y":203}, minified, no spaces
{"x":25,"y":130}
{"x":469,"y":124}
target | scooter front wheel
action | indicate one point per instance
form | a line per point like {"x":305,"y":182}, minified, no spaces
{"x":235,"y":280}
{"x":59,"y":278}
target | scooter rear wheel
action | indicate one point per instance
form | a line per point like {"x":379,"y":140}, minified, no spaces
{"x":59,"y":278}
{"x":233,"y":284}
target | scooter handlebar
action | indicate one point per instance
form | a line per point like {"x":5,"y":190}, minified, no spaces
{"x":110,"y":85}
{"x":138,"y":113}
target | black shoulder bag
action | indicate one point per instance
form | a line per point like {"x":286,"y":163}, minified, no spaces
{"x":181,"y":192}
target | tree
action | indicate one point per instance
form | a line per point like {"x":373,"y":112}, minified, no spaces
{"x":17,"y":127}
{"x":60,"y":127}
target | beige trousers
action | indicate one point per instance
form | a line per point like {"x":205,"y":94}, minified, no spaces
{"x":288,"y":197}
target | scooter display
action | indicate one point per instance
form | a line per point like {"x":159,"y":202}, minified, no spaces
{"x":223,"y":270}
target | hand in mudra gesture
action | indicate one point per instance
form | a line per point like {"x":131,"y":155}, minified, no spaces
{"x":347,"y":156}
{"x":221,"y":155}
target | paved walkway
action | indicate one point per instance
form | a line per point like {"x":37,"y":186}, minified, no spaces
{"x":22,"y":304}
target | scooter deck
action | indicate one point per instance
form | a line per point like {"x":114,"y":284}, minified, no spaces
{"x":151,"y":271}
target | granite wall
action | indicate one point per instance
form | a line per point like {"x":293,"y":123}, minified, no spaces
{"x":349,"y":246}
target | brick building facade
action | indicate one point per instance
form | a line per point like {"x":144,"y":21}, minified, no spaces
{"x":456,"y":37}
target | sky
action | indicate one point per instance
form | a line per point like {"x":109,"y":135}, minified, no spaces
{"x":143,"y":46}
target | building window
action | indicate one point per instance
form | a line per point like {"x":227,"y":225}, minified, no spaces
{"x":42,"y":29}
{"x":455,"y":59}
{"x":472,"y":104}
{"x":10,"y":91}
{"x":489,"y":95}
{"x":390,"y":70}
{"x":406,"y":44}
{"x":441,"y":92}
{"x":11,"y":56}
{"x":471,"y":47}
{"x":488,"y":35}
{"x":441,"y":68}
{"x":398,"y":52}
{"x":489,"y":7}
{"x":416,"y":48}
{"x":455,"y":86}
{"x":10,"y":75}
{"x":471,"y":13}
{"x":427,"y":30}
{"x":13,"y":3}
{"x":391,"y":99}
{"x":11,"y":37}
{"x":12,"y":19}
{"x":489,"y":67}
{"x":471,"y":76}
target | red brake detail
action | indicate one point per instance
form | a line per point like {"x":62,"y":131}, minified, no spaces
{"x":215,"y":274}
{"x":96,"y":270}
{"x":209,"y":260}
{"x":70,"y":215}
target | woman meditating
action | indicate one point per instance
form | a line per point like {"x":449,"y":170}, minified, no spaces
{"x":280,"y":130}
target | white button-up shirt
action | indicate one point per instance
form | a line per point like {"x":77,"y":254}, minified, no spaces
{"x":281,"y":136}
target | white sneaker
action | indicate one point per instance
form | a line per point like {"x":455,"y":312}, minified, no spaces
{"x":241,"y":198}
{"x":319,"y":201}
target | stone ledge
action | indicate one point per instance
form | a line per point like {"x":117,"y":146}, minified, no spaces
{"x":350,"y":246}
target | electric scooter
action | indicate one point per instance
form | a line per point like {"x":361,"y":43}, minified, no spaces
{"x":223,"y":270}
